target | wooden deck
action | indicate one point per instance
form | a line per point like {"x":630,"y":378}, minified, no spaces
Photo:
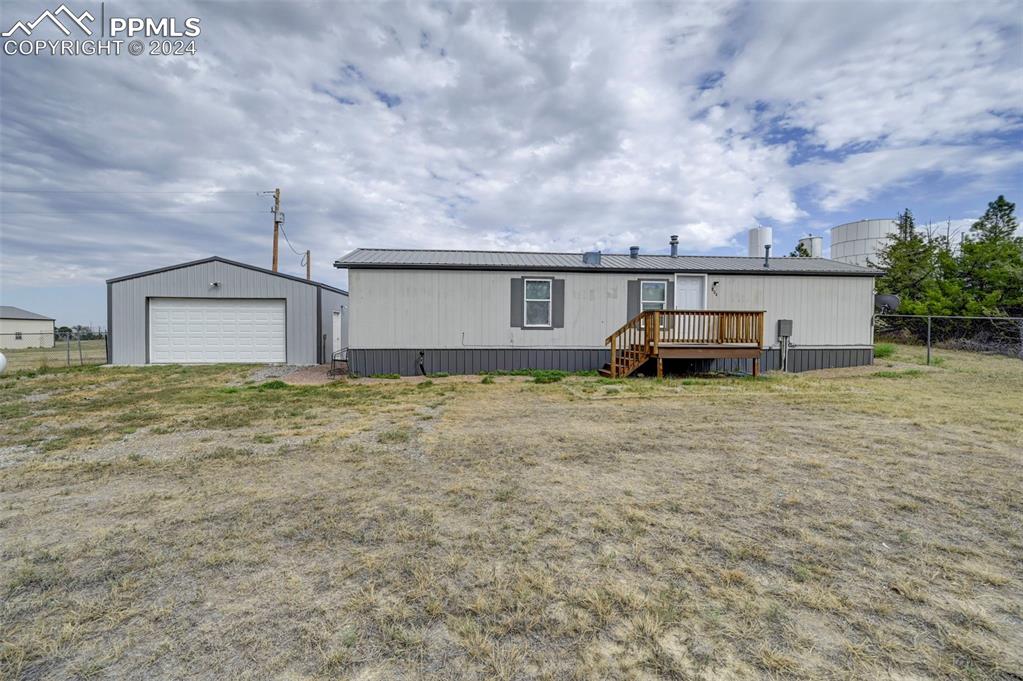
{"x":685,"y":334}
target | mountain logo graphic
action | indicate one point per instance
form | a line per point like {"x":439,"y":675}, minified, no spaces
{"x":77,"y":20}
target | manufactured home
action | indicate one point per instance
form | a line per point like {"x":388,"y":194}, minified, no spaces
{"x":219,"y":310}
{"x":23,"y":329}
{"x":416,"y":311}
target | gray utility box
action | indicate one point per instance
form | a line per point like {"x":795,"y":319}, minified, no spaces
{"x":784,"y":328}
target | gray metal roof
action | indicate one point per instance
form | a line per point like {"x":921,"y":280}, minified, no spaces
{"x":386,"y":258}
{"x":11,"y":312}
{"x":217,"y":258}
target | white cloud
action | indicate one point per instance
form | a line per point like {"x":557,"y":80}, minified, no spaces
{"x":561,"y":126}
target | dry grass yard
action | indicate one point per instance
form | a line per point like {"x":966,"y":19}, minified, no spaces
{"x":182,"y":523}
{"x":93,"y":352}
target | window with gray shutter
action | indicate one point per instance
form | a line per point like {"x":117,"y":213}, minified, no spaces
{"x":649,"y":294}
{"x":537,"y":303}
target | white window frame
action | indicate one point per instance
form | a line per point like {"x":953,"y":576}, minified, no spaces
{"x":549,"y":300}
{"x":664,"y":298}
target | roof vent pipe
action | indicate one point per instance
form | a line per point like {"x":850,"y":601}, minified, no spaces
{"x":633,"y":251}
{"x":674,"y":245}
{"x":767,"y":255}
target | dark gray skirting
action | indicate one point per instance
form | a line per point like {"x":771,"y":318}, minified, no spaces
{"x":473,"y":361}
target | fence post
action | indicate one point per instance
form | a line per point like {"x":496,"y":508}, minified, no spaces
{"x":928,"y":340}
{"x":81,"y":362}
{"x":68,"y":345}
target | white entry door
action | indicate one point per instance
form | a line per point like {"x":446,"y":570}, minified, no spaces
{"x":689,"y":293}
{"x":211,"y":330}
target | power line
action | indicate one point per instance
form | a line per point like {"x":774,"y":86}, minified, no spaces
{"x":124,"y":191}
{"x":288,"y":241}
{"x":74,"y":211}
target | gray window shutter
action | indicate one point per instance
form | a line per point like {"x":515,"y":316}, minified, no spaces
{"x":558,"y":304}
{"x":633,"y":298}
{"x":670,"y":301}
{"x":516,"y":302}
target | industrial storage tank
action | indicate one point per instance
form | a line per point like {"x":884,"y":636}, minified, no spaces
{"x":857,"y":242}
{"x":814,"y":245}
{"x":758,"y":238}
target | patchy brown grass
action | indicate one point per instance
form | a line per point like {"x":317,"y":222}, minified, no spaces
{"x":27,"y":359}
{"x":178,"y":522}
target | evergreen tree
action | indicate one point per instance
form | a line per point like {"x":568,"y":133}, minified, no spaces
{"x":990,"y":263}
{"x":910,"y":262}
{"x":799,"y":251}
{"x":998,"y":221}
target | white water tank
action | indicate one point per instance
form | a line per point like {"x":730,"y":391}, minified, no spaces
{"x":857,"y":242}
{"x":814,"y":245}
{"x":758,"y":238}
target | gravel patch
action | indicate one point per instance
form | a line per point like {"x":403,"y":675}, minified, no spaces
{"x":271,"y":371}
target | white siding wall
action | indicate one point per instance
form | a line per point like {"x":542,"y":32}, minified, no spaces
{"x":35,"y":333}
{"x":825,"y":311}
{"x":471,"y":309}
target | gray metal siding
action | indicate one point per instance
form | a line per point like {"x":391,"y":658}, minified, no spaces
{"x":110,"y":314}
{"x":406,"y":361}
{"x":800,"y":359}
{"x":128,"y":306}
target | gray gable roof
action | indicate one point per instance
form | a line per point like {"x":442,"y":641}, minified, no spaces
{"x":217,"y":258}
{"x":386,"y":258}
{"x":11,"y":312}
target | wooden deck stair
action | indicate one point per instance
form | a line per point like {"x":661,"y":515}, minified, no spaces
{"x":685,"y":334}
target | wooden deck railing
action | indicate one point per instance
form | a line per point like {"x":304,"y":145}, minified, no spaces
{"x":641,"y":337}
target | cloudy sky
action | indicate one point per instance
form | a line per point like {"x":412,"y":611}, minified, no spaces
{"x":562,"y":126}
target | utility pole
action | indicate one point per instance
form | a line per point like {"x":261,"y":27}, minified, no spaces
{"x":277,"y":222}
{"x":308,"y":267}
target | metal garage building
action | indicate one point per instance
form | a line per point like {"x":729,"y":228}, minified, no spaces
{"x":217,"y":310}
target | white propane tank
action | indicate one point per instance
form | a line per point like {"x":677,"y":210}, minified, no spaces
{"x":758,"y":238}
{"x":3,"y":363}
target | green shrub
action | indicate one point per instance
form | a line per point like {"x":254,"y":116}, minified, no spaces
{"x":882,"y":350}
{"x":440,"y":374}
{"x":385,"y":375}
{"x":487,"y":380}
{"x":273,"y":385}
{"x":548,"y":376}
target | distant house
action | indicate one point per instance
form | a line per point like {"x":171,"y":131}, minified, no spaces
{"x":471,"y":311}
{"x":23,"y":329}
{"x":218,"y":310}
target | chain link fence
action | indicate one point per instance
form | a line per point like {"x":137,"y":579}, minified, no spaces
{"x":35,"y":350}
{"x":1000,"y":335}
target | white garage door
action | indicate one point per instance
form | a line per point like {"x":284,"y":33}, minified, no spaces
{"x":206,"y":330}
